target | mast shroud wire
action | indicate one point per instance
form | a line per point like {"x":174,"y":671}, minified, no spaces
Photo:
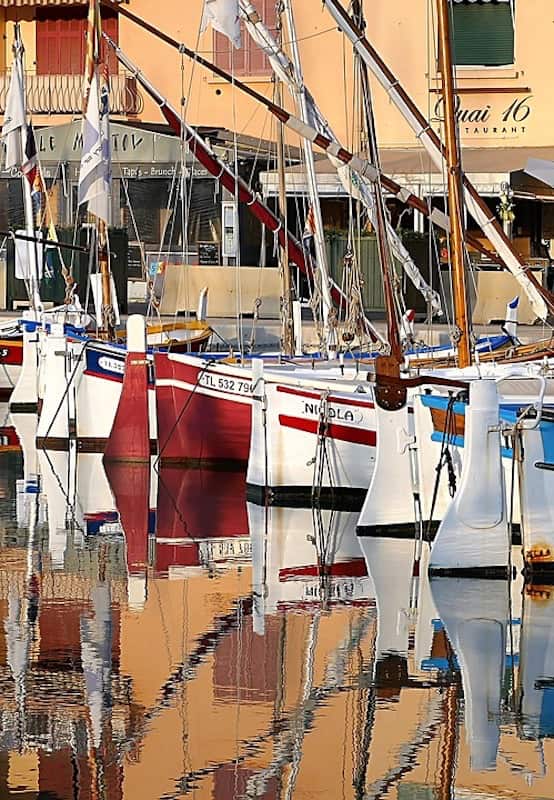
{"x":330,"y":145}
{"x":541,"y":299}
{"x":209,"y":160}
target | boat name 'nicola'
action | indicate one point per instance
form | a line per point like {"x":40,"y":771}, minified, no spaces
{"x":332,"y":412}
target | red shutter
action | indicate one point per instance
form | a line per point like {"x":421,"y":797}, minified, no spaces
{"x":222,"y":51}
{"x":269,"y":13}
{"x":110,"y":25}
{"x":249,"y":60}
{"x":60,"y":44}
{"x":60,"y":41}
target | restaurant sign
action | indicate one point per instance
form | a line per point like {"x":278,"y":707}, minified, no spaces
{"x":506,"y":119}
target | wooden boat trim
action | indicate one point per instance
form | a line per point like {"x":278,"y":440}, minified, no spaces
{"x":457,"y":426}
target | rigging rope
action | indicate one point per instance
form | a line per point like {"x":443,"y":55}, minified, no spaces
{"x":445,"y":458}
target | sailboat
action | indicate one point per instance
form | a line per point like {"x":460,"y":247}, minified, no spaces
{"x":218,"y":391}
{"x":474,"y":533}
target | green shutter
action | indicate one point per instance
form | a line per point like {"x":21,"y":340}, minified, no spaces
{"x":483,"y":35}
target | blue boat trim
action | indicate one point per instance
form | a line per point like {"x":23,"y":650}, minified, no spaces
{"x":458,"y":441}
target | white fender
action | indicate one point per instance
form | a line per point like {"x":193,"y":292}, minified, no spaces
{"x":474,"y":532}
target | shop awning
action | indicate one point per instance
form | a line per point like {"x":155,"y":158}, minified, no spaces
{"x":487,"y":169}
{"x":541,"y":170}
{"x":536,"y":180}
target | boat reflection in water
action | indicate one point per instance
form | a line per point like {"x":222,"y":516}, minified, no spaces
{"x":536,"y":674}
{"x":305,"y":559}
{"x":163,"y":638}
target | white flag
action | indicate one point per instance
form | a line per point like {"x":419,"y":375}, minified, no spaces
{"x":223,"y":15}
{"x":14,"y":129}
{"x":95,"y":173}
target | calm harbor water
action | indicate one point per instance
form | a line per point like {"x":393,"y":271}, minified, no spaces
{"x":162,"y":638}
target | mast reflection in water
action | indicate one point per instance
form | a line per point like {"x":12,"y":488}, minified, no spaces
{"x":163,"y":638}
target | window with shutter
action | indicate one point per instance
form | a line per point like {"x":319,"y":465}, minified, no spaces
{"x":60,"y":40}
{"x":249,"y":59}
{"x":483,"y":33}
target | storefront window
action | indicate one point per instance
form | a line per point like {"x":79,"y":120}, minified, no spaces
{"x":11,"y":204}
{"x":146,"y":201}
{"x":156,"y":218}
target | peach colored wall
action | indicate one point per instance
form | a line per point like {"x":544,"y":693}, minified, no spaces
{"x":403,"y":32}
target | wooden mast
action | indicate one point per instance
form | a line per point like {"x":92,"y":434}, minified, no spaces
{"x":108,"y":324}
{"x":454,"y":188}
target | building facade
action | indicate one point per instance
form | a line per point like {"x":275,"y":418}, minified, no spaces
{"x":504,"y":97}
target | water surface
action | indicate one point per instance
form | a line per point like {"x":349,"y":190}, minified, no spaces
{"x":162,"y":638}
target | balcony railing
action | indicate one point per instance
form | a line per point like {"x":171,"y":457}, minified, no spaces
{"x":62,"y":94}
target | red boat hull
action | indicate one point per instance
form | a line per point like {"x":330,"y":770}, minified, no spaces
{"x":198,"y":424}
